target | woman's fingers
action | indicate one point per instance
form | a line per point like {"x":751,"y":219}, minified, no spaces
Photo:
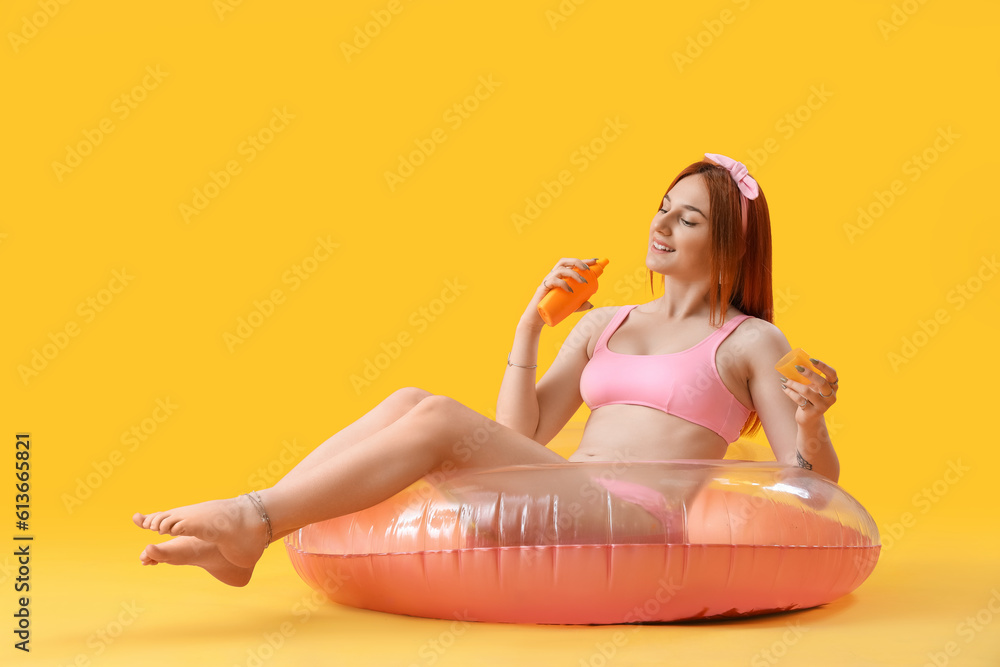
{"x":792,"y":393}
{"x":803,"y":402}
{"x":561,"y":282}
{"x":567,"y":263}
{"x":559,"y":277}
{"x":584,"y":264}
{"x":810,"y":375}
{"x":829,"y":371}
{"x":564,"y":269}
{"x":819,"y":392}
{"x":818,"y":385}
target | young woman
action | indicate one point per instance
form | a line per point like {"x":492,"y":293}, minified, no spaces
{"x":678,"y":377}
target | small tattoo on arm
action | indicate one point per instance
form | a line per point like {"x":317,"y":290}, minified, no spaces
{"x":802,"y":462}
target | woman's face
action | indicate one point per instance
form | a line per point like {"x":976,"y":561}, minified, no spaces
{"x":682,"y":224}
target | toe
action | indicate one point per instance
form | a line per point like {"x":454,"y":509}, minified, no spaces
{"x":172,"y":526}
{"x":163,"y":523}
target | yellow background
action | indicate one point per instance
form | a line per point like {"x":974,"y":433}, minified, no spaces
{"x":889,"y":91}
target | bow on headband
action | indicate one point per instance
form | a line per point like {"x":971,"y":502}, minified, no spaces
{"x":744,"y":181}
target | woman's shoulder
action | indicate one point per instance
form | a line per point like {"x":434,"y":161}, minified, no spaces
{"x":757,"y":335}
{"x":595,"y":319}
{"x":602,"y":313}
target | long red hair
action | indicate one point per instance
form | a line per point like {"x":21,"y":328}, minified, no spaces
{"x":744,"y":264}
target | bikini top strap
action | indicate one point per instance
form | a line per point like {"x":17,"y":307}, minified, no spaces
{"x":722,"y":332}
{"x":612,"y":326}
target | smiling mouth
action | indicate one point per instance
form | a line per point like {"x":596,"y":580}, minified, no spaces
{"x":662,"y":248}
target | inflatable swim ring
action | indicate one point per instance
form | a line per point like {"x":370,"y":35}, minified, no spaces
{"x":596,"y":543}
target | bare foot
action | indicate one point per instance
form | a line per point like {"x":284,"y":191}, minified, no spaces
{"x":193,"y":551}
{"x":233,"y":525}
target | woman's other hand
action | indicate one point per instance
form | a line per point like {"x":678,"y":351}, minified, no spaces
{"x":816,"y":397}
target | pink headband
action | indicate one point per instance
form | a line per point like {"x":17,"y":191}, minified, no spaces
{"x":744,"y":181}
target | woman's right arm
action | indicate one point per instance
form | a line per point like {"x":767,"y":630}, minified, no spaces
{"x":517,"y":405}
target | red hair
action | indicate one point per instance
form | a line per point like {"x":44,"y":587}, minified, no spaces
{"x":742,"y":261}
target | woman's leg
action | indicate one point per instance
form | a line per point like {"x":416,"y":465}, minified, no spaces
{"x":439,"y":433}
{"x":187,"y":550}
{"x":389,"y":410}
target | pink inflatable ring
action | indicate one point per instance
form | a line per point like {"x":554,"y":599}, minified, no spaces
{"x":595,"y":543}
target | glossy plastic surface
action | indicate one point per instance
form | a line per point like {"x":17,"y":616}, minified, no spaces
{"x":596,"y":542}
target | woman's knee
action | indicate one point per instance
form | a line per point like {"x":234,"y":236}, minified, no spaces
{"x":437,"y":404}
{"x":441,"y":413}
{"x":411,"y":396}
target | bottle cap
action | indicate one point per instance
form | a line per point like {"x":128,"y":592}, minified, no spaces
{"x":598,"y":267}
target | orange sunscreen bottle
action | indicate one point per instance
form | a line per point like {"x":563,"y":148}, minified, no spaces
{"x":797,"y":357}
{"x":557,"y":303}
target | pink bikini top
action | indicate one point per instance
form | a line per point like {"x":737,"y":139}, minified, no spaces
{"x":686,"y":384}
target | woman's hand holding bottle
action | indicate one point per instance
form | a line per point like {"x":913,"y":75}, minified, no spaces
{"x":565,"y":278}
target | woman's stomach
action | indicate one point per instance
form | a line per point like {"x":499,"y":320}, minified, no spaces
{"x":624,"y":432}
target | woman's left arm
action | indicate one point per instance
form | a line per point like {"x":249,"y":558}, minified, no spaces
{"x":791,"y":412}
{"x":813,"y":449}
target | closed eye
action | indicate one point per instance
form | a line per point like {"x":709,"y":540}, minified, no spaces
{"x":686,"y":222}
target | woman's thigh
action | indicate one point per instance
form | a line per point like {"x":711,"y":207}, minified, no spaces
{"x":471,"y":440}
{"x":390,"y":409}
